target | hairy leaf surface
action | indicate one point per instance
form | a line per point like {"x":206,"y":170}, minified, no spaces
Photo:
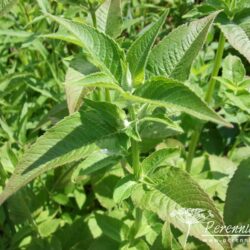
{"x":139,"y":51}
{"x":238,"y":38}
{"x":173,"y":94}
{"x":174,"y":191}
{"x":174,"y":55}
{"x":101,"y":49}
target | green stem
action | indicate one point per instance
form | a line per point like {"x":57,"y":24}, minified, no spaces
{"x":136,"y":226}
{"x":107,"y":95}
{"x":217,"y":64}
{"x":92,"y":13}
{"x":192,"y":146}
{"x":209,"y":95}
{"x":135,"y":149}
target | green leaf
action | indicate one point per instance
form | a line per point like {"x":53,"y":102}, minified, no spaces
{"x":123,"y":188}
{"x":79,"y":67}
{"x":158,"y":158}
{"x":152,"y":127}
{"x":174,"y":55}
{"x":109,"y":18}
{"x":173,"y":94}
{"x":101,"y":50}
{"x":98,"y":79}
{"x":110,"y":226}
{"x":139,"y":51}
{"x":236,"y":211}
{"x":238,"y":38}
{"x":69,"y":140}
{"x":96,"y":161}
{"x":233,"y":69}
{"x":48,"y":227}
{"x":173,"y":192}
{"x":165,"y":240}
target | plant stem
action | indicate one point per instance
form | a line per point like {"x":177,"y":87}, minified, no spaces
{"x":92,"y":13}
{"x":192,"y":146}
{"x":209,"y":94}
{"x":217,"y":64}
{"x":135,"y":149}
{"x":107,"y":95}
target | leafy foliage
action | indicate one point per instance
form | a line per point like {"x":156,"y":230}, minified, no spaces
{"x":124,"y":124}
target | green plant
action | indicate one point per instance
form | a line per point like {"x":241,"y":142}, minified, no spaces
{"x":124,"y":102}
{"x":234,"y":24}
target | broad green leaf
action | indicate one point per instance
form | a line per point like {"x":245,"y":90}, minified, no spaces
{"x":159,"y":158}
{"x":139,"y":51}
{"x":101,"y":50}
{"x":124,"y":188}
{"x":69,"y":140}
{"x":174,"y":55}
{"x":177,"y":198}
{"x":237,"y":38}
{"x":236,"y":211}
{"x":109,"y":17}
{"x":173,"y":94}
{"x":233,"y":69}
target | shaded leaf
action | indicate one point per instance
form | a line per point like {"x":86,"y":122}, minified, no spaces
{"x":79,"y":67}
{"x":237,"y":203}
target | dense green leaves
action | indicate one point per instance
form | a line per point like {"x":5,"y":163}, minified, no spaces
{"x":5,"y":5}
{"x":238,"y":38}
{"x":174,"y":55}
{"x":139,"y":51}
{"x":101,"y":50}
{"x":238,"y":200}
{"x":173,"y":94}
{"x":69,"y":140}
{"x":172,"y":191}
{"x":124,"y":163}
